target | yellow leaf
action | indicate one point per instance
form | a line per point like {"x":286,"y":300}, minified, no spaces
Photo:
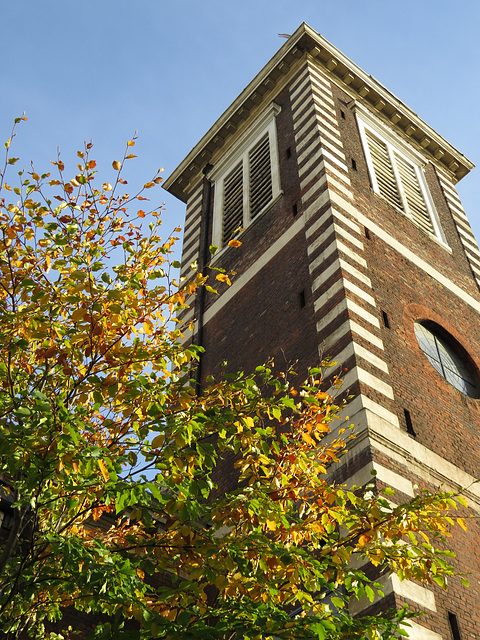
{"x":130,"y":143}
{"x":116,"y":165}
{"x":234,"y":243}
{"x":148,"y":185}
{"x":461,"y":523}
{"x":148,"y":328}
{"x":222,"y":277}
{"x":78,"y":315}
{"x":158,"y":441}
{"x":271,"y":524}
{"x":249,"y":422}
{"x":104,"y":470}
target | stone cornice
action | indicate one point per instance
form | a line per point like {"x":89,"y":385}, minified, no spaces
{"x":307,"y":43}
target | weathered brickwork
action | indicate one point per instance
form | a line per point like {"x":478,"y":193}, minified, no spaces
{"x":331,"y":268}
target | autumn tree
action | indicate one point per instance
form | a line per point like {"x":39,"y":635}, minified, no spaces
{"x":108,"y":456}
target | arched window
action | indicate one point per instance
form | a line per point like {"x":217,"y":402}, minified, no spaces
{"x":447,"y":357}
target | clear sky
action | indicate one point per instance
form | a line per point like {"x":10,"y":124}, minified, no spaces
{"x":101,"y":69}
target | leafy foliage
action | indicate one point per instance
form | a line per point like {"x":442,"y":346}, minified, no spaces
{"x":109,"y":459}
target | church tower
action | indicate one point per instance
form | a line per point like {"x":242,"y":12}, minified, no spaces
{"x":354,"y":246}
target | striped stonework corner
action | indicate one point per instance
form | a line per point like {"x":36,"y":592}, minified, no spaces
{"x":461,"y":222}
{"x":412,"y":591}
{"x":345,"y":308}
{"x":191,"y":238}
{"x":191,"y":251}
{"x":403,"y":588}
{"x":418,"y":632}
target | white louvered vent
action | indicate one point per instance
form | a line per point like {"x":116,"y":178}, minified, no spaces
{"x":399,"y":180}
{"x":416,"y":204}
{"x":260,"y":176}
{"x":387,"y":184}
{"x":232,"y":202}
{"x":246,"y":178}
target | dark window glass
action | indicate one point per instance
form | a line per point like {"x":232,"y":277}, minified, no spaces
{"x":445,"y":355}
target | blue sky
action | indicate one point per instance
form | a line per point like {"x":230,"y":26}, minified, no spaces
{"x":101,"y":69}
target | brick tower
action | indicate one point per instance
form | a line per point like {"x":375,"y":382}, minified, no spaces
{"x":354,"y":245}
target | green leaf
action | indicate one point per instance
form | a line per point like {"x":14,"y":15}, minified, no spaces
{"x":288,"y":402}
{"x":440,"y":580}
{"x":338,"y":602}
{"x":23,"y":412}
{"x":319,"y":629}
{"x":155,"y":491}
{"x":276,"y":412}
{"x":370,"y":593}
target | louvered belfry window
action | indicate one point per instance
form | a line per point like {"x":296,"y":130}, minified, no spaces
{"x":247,"y":188}
{"x":399,"y":181}
{"x":382,"y":164}
{"x":232,"y":202}
{"x":246,"y":178}
{"x":260,"y":176}
{"x":412,"y":191}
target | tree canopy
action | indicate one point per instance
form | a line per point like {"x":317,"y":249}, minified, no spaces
{"x":109,"y":459}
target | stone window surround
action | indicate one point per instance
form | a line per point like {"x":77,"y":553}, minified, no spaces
{"x":366,"y":121}
{"x":239,"y":152}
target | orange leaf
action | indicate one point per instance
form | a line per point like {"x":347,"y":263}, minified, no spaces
{"x":234,"y":243}
{"x":364,"y":539}
{"x":308,"y":439}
